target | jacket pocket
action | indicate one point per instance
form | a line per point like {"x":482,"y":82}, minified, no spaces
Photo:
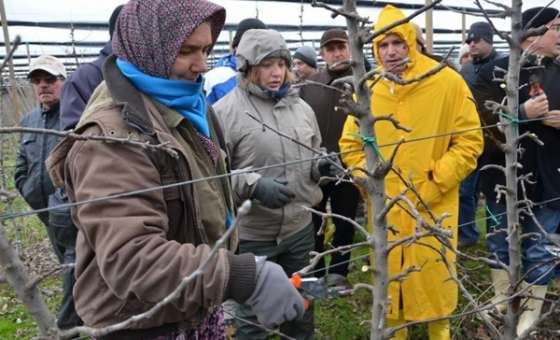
{"x":60,"y":220}
{"x":32,"y":150}
{"x":430,"y":193}
{"x":304,"y":135}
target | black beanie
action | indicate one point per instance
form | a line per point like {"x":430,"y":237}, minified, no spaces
{"x":244,"y":25}
{"x":480,"y":30}
{"x":538,"y":16}
{"x":113,"y":20}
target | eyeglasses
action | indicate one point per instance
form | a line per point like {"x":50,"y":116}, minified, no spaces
{"x":49,"y":79}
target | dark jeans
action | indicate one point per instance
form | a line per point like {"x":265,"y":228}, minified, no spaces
{"x":292,"y":254}
{"x":538,"y":262}
{"x":344,"y":199}
{"x":62,"y":234}
{"x":468,"y":201}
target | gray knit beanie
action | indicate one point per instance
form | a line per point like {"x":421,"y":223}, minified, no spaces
{"x":307,"y":55}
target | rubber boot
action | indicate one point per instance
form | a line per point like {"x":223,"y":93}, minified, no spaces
{"x":401,"y":334}
{"x":531,"y":307}
{"x":439,"y":330}
{"x":500,"y":282}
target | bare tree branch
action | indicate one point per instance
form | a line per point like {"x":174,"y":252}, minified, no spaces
{"x":72,"y":135}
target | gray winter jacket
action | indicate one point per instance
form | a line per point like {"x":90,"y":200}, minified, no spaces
{"x":250,"y":145}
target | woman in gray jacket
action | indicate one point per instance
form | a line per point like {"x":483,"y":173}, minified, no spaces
{"x":278,"y":225}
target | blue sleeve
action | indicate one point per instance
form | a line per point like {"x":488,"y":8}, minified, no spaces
{"x":72,"y":104}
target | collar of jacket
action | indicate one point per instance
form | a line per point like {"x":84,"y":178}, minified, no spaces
{"x":107,"y":50}
{"x":335,"y":74}
{"x":256,"y":91}
{"x":124,"y":94}
{"x":52,"y":109}
{"x":493,"y":55}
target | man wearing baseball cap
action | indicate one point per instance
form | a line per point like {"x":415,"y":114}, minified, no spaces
{"x":344,"y":196}
{"x":46,"y":75}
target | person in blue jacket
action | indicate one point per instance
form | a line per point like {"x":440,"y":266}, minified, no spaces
{"x":223,"y":77}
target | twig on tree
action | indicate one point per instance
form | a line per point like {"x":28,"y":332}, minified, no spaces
{"x":316,"y":257}
{"x":36,"y":280}
{"x":31,"y":297}
{"x":503,"y":36}
{"x":72,"y":135}
{"x":16,"y":43}
{"x":258,"y":325}
{"x":6,"y":195}
{"x":336,"y":12}
{"x":293,"y":140}
{"x":387,"y":28}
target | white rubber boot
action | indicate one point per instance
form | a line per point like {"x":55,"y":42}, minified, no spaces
{"x":532,"y":307}
{"x":500,"y":283}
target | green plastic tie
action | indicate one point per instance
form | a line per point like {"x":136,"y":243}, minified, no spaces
{"x":370,"y":140}
{"x":493,"y":217}
{"x":512,"y":119}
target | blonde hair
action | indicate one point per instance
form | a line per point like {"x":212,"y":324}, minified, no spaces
{"x":252,"y":74}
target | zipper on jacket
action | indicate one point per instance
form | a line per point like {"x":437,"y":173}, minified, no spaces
{"x":285,"y":174}
{"x":43,"y":155}
{"x":184,"y":171}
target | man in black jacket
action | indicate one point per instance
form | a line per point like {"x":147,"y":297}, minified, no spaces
{"x":47,"y":75}
{"x":344,"y":197}
{"x":538,"y":99}
{"x":480,"y":40}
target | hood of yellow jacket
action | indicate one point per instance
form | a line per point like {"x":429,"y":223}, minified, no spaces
{"x":388,"y":15}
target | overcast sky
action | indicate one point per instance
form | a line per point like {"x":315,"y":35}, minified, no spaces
{"x":269,"y":12}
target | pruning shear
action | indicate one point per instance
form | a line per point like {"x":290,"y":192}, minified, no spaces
{"x":329,"y":286}
{"x":535,"y":89}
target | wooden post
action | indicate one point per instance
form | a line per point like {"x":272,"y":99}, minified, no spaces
{"x":13,"y":85}
{"x":73,"y":44}
{"x":429,"y":28}
{"x":28,"y":53}
{"x":463,"y":27}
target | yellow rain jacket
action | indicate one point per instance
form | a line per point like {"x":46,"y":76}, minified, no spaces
{"x":438,"y":105}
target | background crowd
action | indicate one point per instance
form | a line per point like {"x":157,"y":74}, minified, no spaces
{"x":151,"y":83}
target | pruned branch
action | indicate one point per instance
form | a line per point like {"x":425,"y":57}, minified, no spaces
{"x":336,"y":12}
{"x":72,"y":135}
{"x":16,"y":43}
{"x":387,"y":28}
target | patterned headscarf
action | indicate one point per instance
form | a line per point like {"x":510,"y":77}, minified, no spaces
{"x":149,"y":33}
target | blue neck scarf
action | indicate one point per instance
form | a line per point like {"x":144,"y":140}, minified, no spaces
{"x":184,"y":96}
{"x":278,"y":94}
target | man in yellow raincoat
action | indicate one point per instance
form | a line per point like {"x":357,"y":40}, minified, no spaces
{"x":438,"y":105}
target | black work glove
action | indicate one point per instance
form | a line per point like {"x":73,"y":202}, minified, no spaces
{"x":330,"y":166}
{"x":274,"y":300}
{"x":272,"y":193}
